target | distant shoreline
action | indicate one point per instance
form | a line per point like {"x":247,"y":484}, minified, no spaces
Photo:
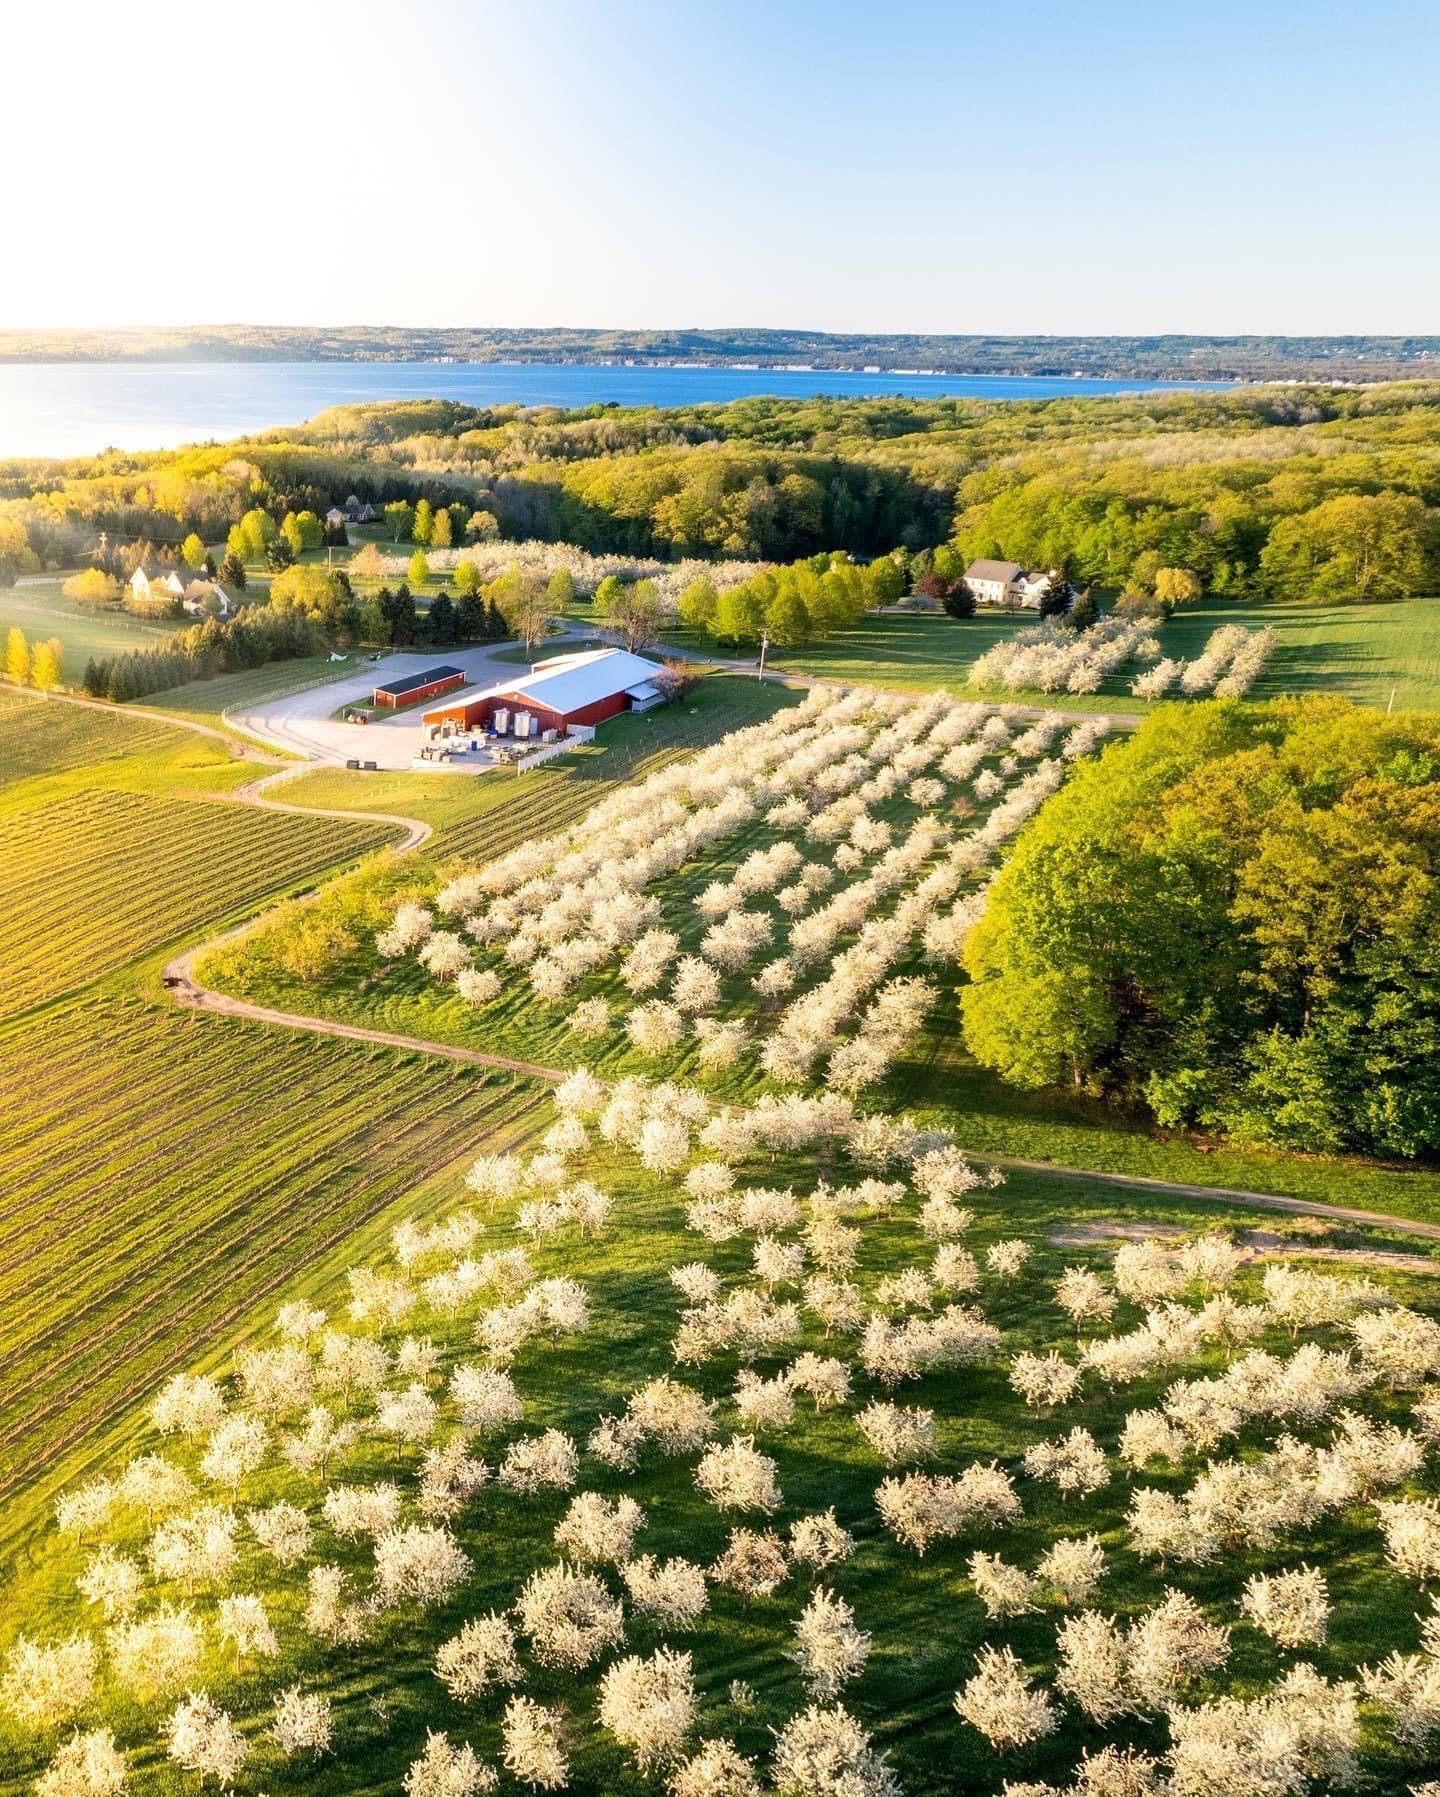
{"x":1161,"y":358}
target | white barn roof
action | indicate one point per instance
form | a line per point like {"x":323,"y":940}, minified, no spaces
{"x":567,"y":683}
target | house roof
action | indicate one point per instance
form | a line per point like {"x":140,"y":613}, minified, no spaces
{"x":410,"y":683}
{"x":189,"y":581}
{"x":986,"y":570}
{"x":567,"y":683}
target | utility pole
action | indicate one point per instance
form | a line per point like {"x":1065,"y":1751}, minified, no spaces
{"x":764,"y":645}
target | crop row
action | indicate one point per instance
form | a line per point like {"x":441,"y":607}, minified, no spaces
{"x":101,"y":878}
{"x":130,"y":1271}
{"x":41,"y":738}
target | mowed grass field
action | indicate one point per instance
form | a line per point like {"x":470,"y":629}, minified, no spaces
{"x":1359,"y":652}
{"x":41,"y":610}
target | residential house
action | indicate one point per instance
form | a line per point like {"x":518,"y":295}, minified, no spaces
{"x":163,"y":586}
{"x":995,"y":583}
{"x":1007,"y":583}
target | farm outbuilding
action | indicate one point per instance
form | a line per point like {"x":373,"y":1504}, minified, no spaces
{"x":413,"y":689}
{"x":559,"y":694}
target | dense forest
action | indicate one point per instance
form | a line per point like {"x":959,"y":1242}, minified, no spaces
{"x":1168,"y":357}
{"x":1232,"y":920}
{"x":1327,"y":492}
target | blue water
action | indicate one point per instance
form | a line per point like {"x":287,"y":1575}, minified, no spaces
{"x":78,"y":408}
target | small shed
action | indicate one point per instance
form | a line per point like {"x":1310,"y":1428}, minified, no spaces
{"x":414,"y":689}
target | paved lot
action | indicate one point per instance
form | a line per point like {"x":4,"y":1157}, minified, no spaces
{"x":304,"y":722}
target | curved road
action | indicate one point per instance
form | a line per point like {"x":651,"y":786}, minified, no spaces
{"x":180,"y":981}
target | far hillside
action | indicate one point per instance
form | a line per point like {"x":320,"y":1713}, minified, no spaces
{"x":836,"y":535}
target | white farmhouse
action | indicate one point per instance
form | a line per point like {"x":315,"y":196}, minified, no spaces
{"x":1007,"y":583}
{"x":163,"y":585}
{"x":995,"y":583}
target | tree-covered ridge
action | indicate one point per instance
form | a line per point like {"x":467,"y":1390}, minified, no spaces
{"x":1160,"y":357}
{"x":1232,"y":919}
{"x":1262,"y":494}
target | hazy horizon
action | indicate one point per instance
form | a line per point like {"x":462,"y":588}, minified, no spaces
{"x":946,"y":169}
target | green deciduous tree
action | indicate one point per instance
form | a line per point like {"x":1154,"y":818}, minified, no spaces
{"x":523,"y":603}
{"x":257,"y":532}
{"x":636,"y":613}
{"x":739,"y":615}
{"x":1177,"y":586}
{"x":698,"y":603}
{"x":1233,"y":920}
{"x":1355,"y":546}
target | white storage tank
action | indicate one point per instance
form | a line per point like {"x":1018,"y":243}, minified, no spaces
{"x":502,"y":720}
{"x":523,"y":724}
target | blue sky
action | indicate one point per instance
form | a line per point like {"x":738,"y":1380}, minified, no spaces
{"x":999,"y":168}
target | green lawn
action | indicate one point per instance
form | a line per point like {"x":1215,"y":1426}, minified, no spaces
{"x":42,"y":611}
{"x":1359,"y":652}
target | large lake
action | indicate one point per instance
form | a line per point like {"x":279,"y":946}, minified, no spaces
{"x":77,"y":408}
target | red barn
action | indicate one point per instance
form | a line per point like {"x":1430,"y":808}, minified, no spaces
{"x":413,"y":689}
{"x":562,"y":692}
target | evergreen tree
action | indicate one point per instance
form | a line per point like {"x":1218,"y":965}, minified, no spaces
{"x":442,"y":619}
{"x":959,"y":600}
{"x":1055,"y":600}
{"x":470,"y":618}
{"x":1083,"y":611}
